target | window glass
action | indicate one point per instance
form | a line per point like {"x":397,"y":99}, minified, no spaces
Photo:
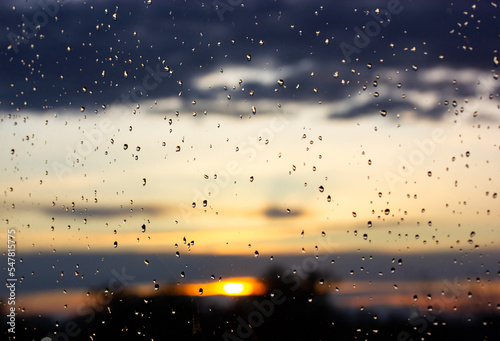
{"x":249,"y":170}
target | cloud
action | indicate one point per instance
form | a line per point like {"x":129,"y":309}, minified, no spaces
{"x":196,"y":44}
{"x":275,"y":212}
{"x":230,"y":76}
{"x":102,"y":211}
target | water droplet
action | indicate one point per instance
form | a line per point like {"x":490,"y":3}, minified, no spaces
{"x":200,"y":291}
{"x":146,"y":262}
{"x":178,"y":148}
{"x":354,"y":214}
{"x":144,"y":181}
{"x":249,"y":57}
{"x":383,"y":113}
{"x":429,"y":173}
{"x":472,"y":234}
{"x":281,"y":82}
{"x":387,"y":211}
{"x":157,"y":286}
{"x":369,"y":224}
{"x":183,"y":274}
{"x":177,"y":254}
{"x":414,"y":67}
{"x":254,"y":110}
{"x":321,"y":189}
{"x":125,"y":146}
{"x":115,"y":244}
{"x":256,"y":253}
{"x":143,"y":228}
{"x":205,"y":203}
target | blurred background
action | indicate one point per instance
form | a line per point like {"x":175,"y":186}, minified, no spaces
{"x":251,"y":170}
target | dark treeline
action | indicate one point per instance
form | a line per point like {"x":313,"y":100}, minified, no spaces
{"x":291,"y":309}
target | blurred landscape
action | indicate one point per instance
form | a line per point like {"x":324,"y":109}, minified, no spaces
{"x":291,"y":308}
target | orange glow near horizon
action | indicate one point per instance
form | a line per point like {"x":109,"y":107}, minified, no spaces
{"x":243,"y":286}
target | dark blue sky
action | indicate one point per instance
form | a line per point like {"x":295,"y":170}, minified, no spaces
{"x":191,"y":39}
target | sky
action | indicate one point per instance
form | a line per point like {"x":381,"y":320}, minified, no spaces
{"x":256,"y":131}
